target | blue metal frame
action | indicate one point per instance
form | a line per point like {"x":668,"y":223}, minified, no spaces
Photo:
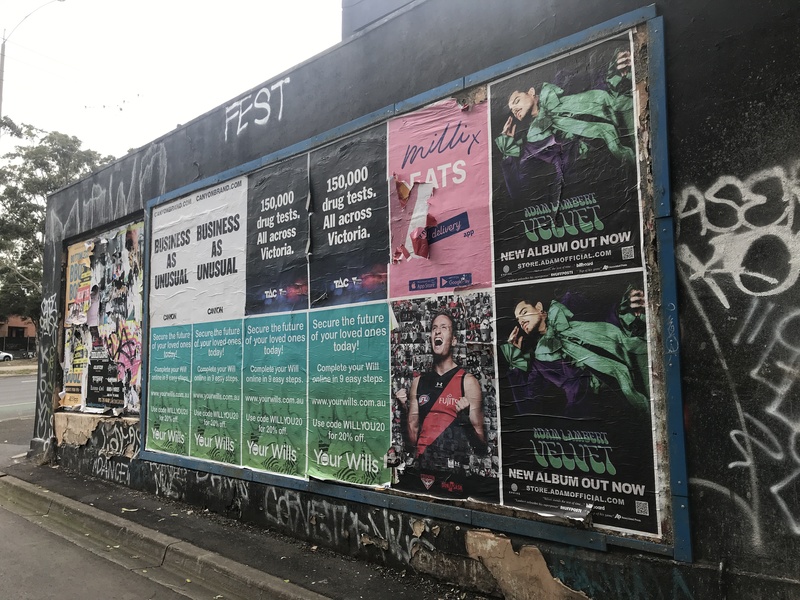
{"x":679,"y":479}
{"x":681,"y":547}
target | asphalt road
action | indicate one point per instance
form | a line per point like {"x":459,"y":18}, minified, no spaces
{"x":17,"y":396}
{"x":17,"y":407}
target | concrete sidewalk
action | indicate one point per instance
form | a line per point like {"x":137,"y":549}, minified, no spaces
{"x":200,"y":554}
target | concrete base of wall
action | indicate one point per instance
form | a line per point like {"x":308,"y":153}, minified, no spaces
{"x":493,"y":564}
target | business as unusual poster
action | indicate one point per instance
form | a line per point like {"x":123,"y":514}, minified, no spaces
{"x":197,"y":291}
{"x":444,"y":410}
{"x":575,"y":400}
{"x":349,"y":222}
{"x":439,"y":199}
{"x":565,"y":191}
{"x":197,"y":258}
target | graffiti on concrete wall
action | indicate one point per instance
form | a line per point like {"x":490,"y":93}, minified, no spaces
{"x":233,"y":495}
{"x":120,"y":195}
{"x":739,"y":261}
{"x":48,"y":336}
{"x":258,"y":109}
{"x":170,"y":482}
{"x":112,"y":468}
{"x":395,"y":534}
{"x":117,"y":438}
{"x":739,"y":221}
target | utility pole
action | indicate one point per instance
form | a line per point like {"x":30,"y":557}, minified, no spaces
{"x":3,"y":51}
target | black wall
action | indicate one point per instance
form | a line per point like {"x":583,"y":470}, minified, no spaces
{"x":734,"y":149}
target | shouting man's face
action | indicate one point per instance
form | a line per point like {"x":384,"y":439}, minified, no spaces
{"x":441,"y":337}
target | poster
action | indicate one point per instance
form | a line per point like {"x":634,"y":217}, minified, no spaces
{"x":169,"y":393}
{"x":104,"y":385}
{"x":105,"y":287}
{"x":575,"y":402}
{"x":444,"y":425}
{"x":439,"y":199}
{"x":348,"y":391}
{"x":274,"y":394}
{"x":76,"y":361}
{"x":349,"y":222}
{"x":77,"y":339}
{"x":78,"y":283}
{"x":216,"y":392}
{"x":277,"y":238}
{"x":565,"y":195}
{"x":197,"y":256}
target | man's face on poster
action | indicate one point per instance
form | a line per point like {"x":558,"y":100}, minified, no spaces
{"x":521,"y":103}
{"x":530,"y":317}
{"x":442,"y":337}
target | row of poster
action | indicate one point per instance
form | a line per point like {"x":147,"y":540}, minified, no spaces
{"x":452,"y":303}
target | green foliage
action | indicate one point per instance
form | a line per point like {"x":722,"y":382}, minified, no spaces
{"x":41,"y":164}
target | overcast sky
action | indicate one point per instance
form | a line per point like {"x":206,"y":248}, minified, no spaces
{"x":120,"y":73}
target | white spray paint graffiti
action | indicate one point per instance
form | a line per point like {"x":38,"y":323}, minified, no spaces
{"x":217,"y":486}
{"x":48,"y":336}
{"x":170,"y":481}
{"x":261,"y":104}
{"x":114,"y":200}
{"x":734,"y":218}
{"x":333,"y":524}
{"x":777,"y":370}
{"x":117,"y":438}
{"x":113,"y":469}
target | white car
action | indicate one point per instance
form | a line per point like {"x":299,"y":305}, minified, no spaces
{"x":6,"y":356}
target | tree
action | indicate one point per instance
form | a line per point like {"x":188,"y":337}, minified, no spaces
{"x":43,"y":163}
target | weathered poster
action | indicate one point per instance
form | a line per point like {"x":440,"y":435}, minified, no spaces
{"x":104,"y":385}
{"x":197,"y":256}
{"x":565,"y":194}
{"x":216,"y":413}
{"x":274,"y":421}
{"x":169,"y":392}
{"x":104,"y":289}
{"x":349,"y":222}
{"x":77,"y":339}
{"x":78,"y":283}
{"x":349,"y":414}
{"x":575,"y":403}
{"x":444,"y":408}
{"x":439,"y":199}
{"x":277,"y":238}
{"x":76,"y":360}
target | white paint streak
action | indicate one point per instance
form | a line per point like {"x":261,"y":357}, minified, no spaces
{"x":753,"y":511}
